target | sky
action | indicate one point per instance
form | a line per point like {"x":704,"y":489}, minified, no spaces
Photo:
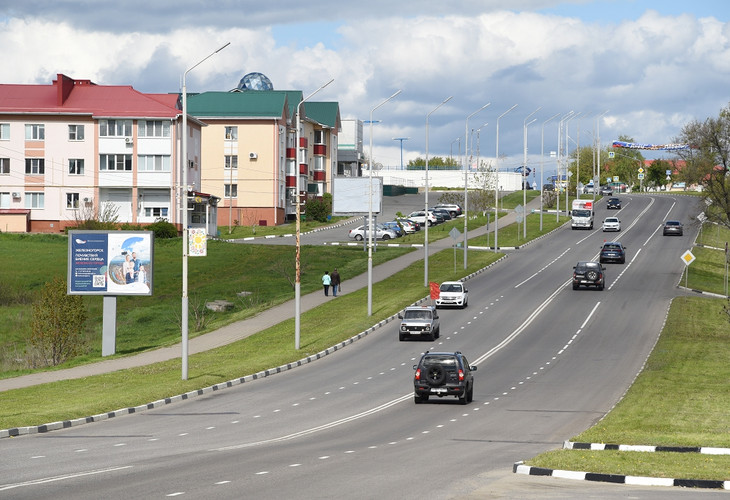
{"x":639,"y":69}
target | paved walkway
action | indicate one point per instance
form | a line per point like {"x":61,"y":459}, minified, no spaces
{"x":242,"y":329}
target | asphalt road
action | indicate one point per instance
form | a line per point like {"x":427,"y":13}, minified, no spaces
{"x":551,"y":362}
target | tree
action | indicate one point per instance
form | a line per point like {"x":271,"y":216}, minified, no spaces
{"x":57,"y":323}
{"x":103,"y":216}
{"x":707,"y":162}
{"x":435,"y":163}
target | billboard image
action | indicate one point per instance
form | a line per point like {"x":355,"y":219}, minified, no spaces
{"x":110,"y":262}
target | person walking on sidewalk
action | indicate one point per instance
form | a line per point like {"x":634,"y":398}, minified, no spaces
{"x":326,"y":281}
{"x":335,"y":279}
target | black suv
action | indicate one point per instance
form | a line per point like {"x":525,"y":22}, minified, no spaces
{"x":612,"y":251}
{"x":443,"y":374}
{"x":589,"y":274}
{"x":614,"y":203}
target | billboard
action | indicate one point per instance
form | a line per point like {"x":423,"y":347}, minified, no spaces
{"x":110,"y":262}
{"x":351,"y":195}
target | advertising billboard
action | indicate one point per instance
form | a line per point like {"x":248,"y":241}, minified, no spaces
{"x":110,"y":262}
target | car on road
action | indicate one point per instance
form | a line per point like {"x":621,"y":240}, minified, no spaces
{"x":420,"y":217}
{"x":548,"y":187}
{"x":606,"y":191}
{"x":589,"y":189}
{"x":612,"y":251}
{"x":453,"y":209}
{"x":673,"y":227}
{"x":589,"y":273}
{"x":611,"y":224}
{"x":443,"y":374}
{"x":381,"y":233}
{"x":452,"y":293}
{"x":613,"y":203}
{"x":419,"y":321}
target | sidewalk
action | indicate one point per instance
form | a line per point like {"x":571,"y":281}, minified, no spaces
{"x":242,"y":329}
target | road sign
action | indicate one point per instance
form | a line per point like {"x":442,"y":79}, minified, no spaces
{"x":688,"y":258}
{"x":641,"y":170}
{"x":641,"y":176}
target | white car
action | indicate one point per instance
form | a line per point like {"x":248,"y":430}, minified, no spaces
{"x":419,"y":216}
{"x":452,"y":293}
{"x":381,"y":233}
{"x":611,"y":224}
{"x":408,"y":226}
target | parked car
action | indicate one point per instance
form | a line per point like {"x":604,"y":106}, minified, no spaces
{"x":397,"y":229}
{"x":452,"y":293}
{"x":381,"y":233}
{"x":673,"y":227}
{"x":606,"y":191}
{"x":420,"y":321}
{"x":443,"y":374}
{"x":409,"y":226}
{"x":453,"y":209}
{"x":612,"y":251}
{"x":420,"y":217}
{"x":587,"y":273}
{"x":611,"y":224}
{"x":441,"y":212}
{"x":613,"y":203}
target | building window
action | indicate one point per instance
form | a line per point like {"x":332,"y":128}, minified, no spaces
{"x":231,"y":162}
{"x":115,"y":162}
{"x":156,"y":212}
{"x":154,"y":128}
{"x":4,"y":131}
{"x":35,"y":132}
{"x":232,"y":133}
{"x":115,"y":128}
{"x":75,"y":132}
{"x":4,"y":200}
{"x":230,"y":190}
{"x":76,"y":166}
{"x":34,"y":200}
{"x":35,"y":166}
{"x":153,"y":163}
{"x":319,"y":162}
{"x":72,"y":200}
{"x":4,"y":166}
{"x":320,"y":137}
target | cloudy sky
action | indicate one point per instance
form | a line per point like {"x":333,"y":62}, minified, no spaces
{"x":650,"y":65}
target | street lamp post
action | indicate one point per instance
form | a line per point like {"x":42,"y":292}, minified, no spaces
{"x":542,"y":162}
{"x":401,"y":139}
{"x":184,"y":212}
{"x":567,"y":157}
{"x":478,"y":144}
{"x":467,"y":161}
{"x":298,"y":279}
{"x":524,"y":170}
{"x":560,"y":141}
{"x":451,"y":153}
{"x":496,"y":183}
{"x":370,"y":210}
{"x":425,"y":209}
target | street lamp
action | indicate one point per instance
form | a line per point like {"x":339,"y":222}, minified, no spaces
{"x":298,"y":279}
{"x":496,"y":183}
{"x":542,"y":162}
{"x":451,"y":154}
{"x":184,"y":213}
{"x":466,"y":177}
{"x":524,"y":170}
{"x":425,"y":210}
{"x":557,"y":190}
{"x":401,"y":139}
{"x":478,"y":152}
{"x":567,"y":156}
{"x":370,"y":210}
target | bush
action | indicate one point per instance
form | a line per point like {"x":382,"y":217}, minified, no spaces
{"x":163,"y":229}
{"x":318,"y":209}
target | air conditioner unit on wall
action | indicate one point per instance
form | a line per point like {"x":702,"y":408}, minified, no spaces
{"x":128,"y":140}
{"x":253,"y":156}
{"x":16,"y":195}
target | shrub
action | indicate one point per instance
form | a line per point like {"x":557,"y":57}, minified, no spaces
{"x":163,"y":229}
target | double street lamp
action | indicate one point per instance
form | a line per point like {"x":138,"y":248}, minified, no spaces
{"x":524,"y":170}
{"x":184,"y":212}
{"x":467,"y":161}
{"x":496,"y":184}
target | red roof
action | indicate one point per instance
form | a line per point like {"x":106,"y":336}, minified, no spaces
{"x":68,"y":96}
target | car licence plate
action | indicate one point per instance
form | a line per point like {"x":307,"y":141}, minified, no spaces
{"x":438,"y":390}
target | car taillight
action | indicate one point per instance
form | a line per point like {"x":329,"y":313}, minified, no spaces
{"x":461,"y":375}
{"x":418,"y":374}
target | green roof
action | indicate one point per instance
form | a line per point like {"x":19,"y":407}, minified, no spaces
{"x":326,"y":113}
{"x":248,"y":104}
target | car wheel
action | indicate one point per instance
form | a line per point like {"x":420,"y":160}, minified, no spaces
{"x":575,"y":287}
{"x":430,"y":223}
{"x":386,"y":237}
{"x":436,"y":374}
{"x":358,"y":237}
{"x":463,"y":399}
{"x":623,"y":261}
{"x":401,"y":337}
{"x":470,"y":395}
{"x":592,"y":275}
{"x":420,"y":399}
{"x":600,"y":287}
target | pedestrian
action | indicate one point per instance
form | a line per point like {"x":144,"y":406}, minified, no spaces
{"x":326,"y":281}
{"x":335,"y":279}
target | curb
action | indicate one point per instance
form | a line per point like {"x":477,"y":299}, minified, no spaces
{"x":520,"y":468}
{"x":706,"y":450}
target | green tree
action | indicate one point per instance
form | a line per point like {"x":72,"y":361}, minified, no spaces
{"x":319,"y":208}
{"x":435,"y":163}
{"x":57,"y":324}
{"x":656,"y":174}
{"x":708,"y":162}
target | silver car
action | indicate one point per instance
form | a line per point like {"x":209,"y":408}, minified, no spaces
{"x":381,"y":233}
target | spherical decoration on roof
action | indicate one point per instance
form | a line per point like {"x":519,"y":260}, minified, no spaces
{"x":255,"y":81}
